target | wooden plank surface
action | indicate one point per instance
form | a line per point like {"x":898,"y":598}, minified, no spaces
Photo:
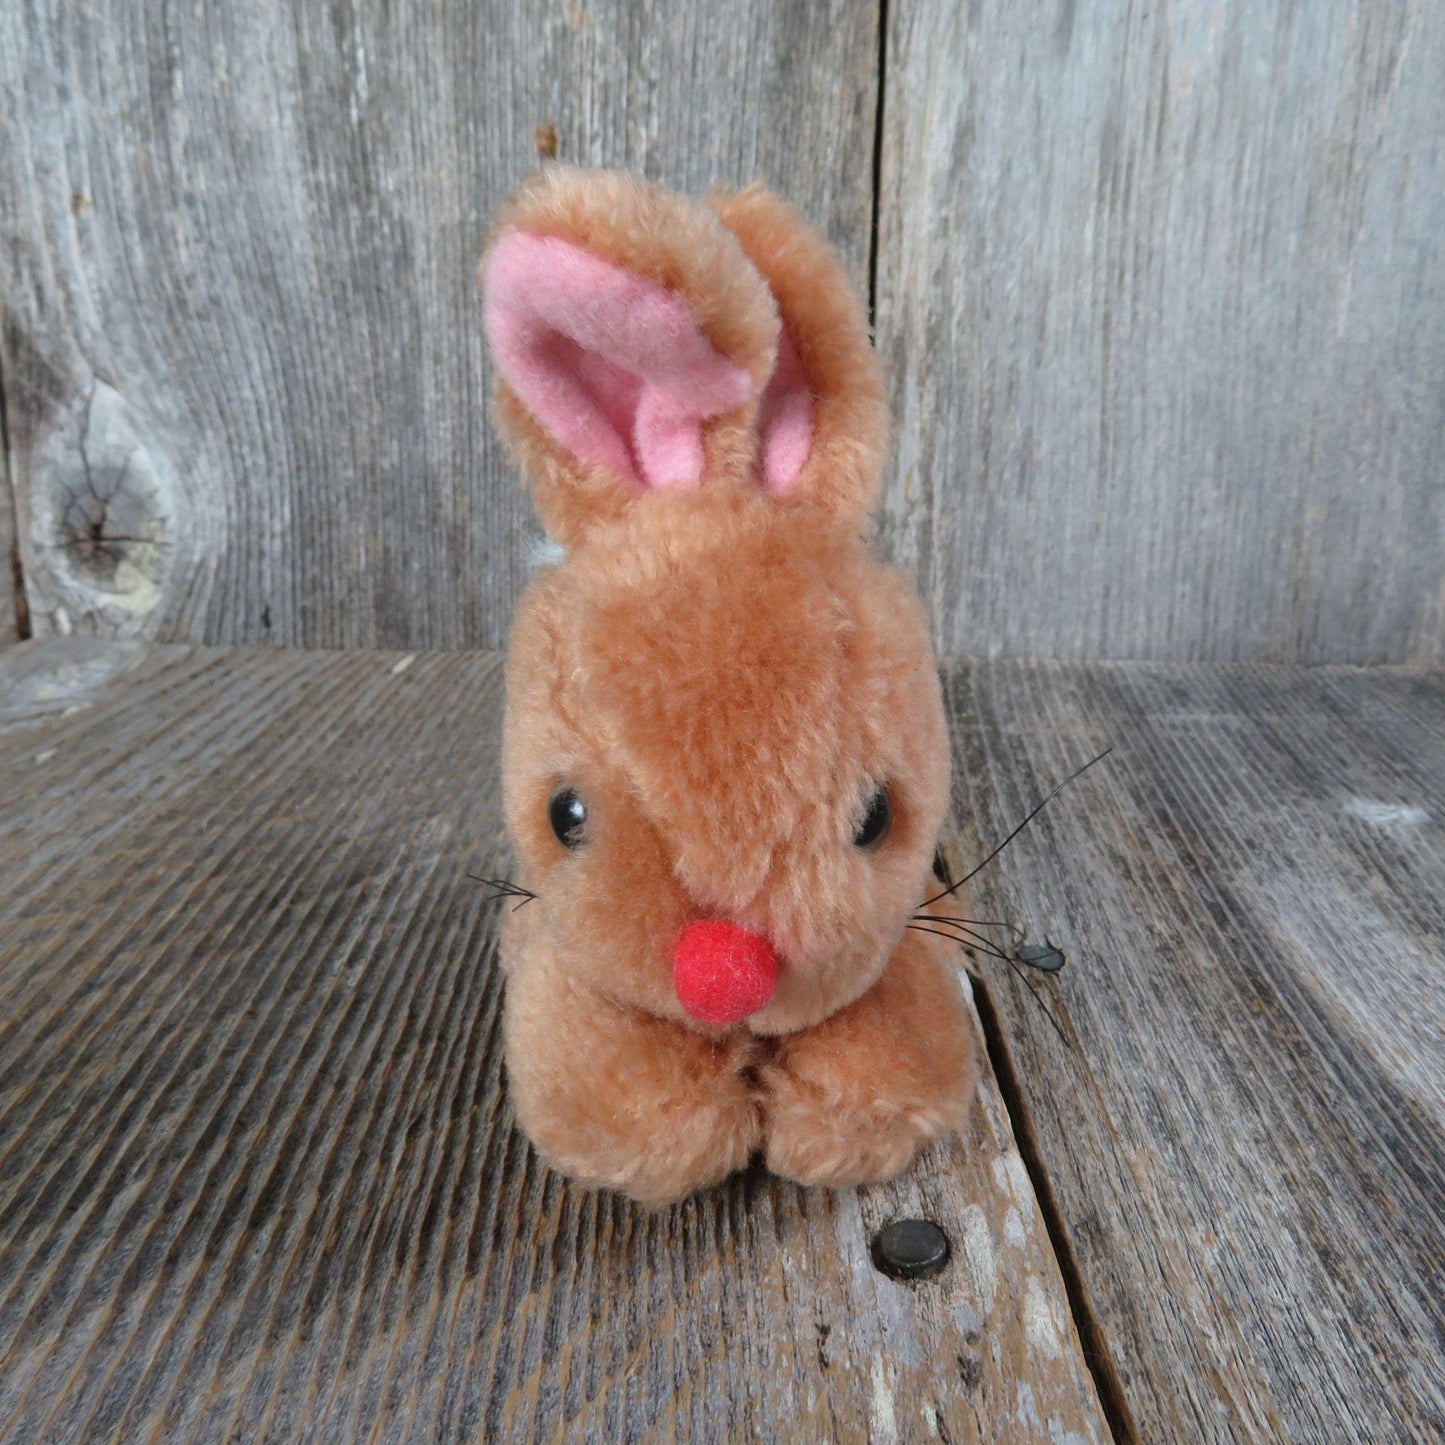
{"x":1160,"y":292}
{"x":1245,"y":1134}
{"x":258,"y":1180}
{"x":241,"y":355}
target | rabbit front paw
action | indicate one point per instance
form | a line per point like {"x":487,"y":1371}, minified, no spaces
{"x":656,"y":1150}
{"x":639,"y":1105}
{"x":817,"y":1140}
{"x":852,"y":1100}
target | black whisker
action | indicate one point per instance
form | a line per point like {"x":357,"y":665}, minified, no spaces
{"x":954,"y":929}
{"x":968,"y":927}
{"x":1038,"y":808}
{"x":977,"y":940}
{"x":504,"y":888}
{"x":971,"y":941}
{"x":1039,"y":999}
{"x":1013,"y":928}
{"x":502,"y":885}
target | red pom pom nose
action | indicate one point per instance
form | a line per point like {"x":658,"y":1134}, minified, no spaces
{"x":723,"y":973}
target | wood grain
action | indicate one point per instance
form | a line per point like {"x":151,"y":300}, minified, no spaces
{"x":257,"y":1175}
{"x":241,"y":354}
{"x":1245,"y":1135}
{"x":1160,"y":288}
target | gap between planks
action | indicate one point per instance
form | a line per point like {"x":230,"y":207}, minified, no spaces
{"x":1098,"y":1358}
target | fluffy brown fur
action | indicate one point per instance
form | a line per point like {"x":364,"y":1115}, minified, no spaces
{"x":725,"y":677}
{"x":827,"y":323}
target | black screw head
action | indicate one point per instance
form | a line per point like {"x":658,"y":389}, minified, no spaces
{"x":910,"y":1249}
{"x":1042,"y":956}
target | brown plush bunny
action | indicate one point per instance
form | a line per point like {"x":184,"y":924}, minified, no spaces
{"x":724,"y":763}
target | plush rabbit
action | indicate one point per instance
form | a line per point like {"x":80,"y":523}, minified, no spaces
{"x":724,"y":760}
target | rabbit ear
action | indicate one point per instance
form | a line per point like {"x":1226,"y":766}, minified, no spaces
{"x":823,"y":423}
{"x":632,"y":340}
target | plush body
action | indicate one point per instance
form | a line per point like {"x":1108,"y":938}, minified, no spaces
{"x":729,"y":692}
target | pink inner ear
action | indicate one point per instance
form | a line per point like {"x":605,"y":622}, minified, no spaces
{"x":785,"y":419}
{"x":612,"y":364}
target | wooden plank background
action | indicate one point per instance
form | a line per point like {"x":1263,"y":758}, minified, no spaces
{"x":1160,"y":290}
{"x":1245,"y":1131}
{"x":258,"y":1179}
{"x":239,"y":254}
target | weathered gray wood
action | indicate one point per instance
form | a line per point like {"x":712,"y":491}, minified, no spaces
{"x":257,"y":1176}
{"x":241,"y":353}
{"x":1245,"y":1135}
{"x":1161,"y":290}
{"x":255,"y":1171}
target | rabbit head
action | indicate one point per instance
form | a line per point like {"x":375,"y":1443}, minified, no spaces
{"x":724,"y":759}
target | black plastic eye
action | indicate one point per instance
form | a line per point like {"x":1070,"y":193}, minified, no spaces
{"x":876,"y":822}
{"x":567,"y":814}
